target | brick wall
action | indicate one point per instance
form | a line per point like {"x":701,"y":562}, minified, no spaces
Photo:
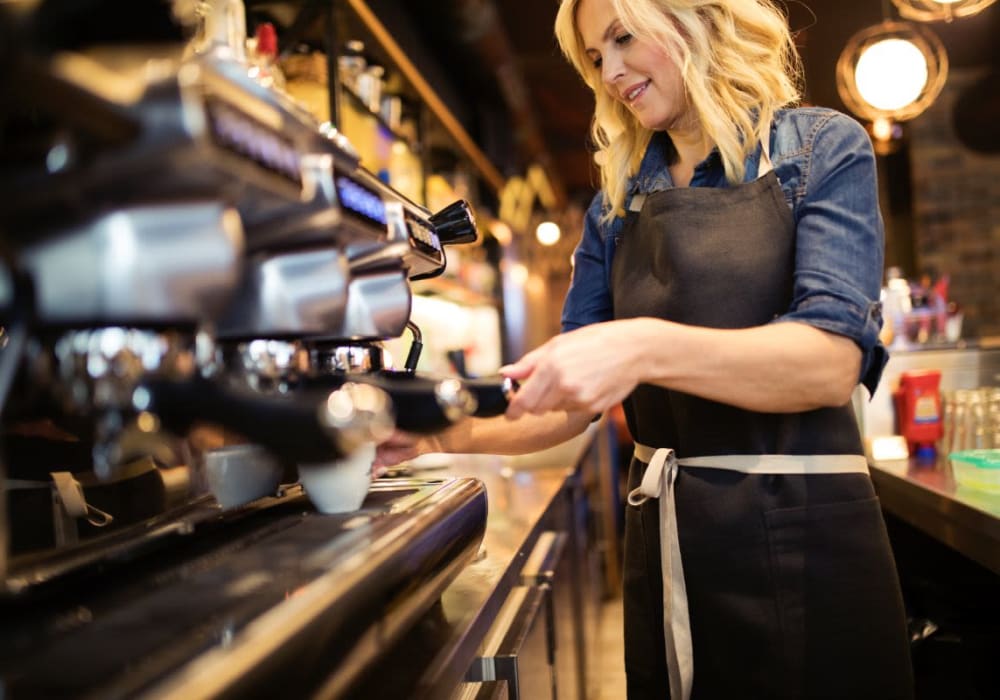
{"x":956,"y":210}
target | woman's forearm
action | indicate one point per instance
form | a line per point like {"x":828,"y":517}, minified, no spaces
{"x":504,"y":436}
{"x":780,"y":367}
{"x":777,"y":368}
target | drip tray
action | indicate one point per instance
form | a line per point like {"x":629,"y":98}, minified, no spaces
{"x":276,"y":598}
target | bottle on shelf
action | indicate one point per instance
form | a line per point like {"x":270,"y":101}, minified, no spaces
{"x":222,"y":31}
{"x":404,"y":172}
{"x":896,"y":306}
{"x":391,"y":110}
{"x":351,"y":65}
{"x":264,"y":66}
{"x":370,"y":87}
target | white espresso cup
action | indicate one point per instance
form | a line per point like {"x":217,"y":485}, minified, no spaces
{"x":339,"y":486}
{"x":238,"y":474}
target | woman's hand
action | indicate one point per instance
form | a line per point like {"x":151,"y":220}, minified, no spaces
{"x":589,"y":370}
{"x":400,"y":447}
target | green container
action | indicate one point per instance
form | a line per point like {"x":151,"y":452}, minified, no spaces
{"x":977,"y":469}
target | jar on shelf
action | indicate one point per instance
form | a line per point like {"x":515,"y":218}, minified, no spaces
{"x":306,"y":82}
{"x":370,"y":87}
{"x":351,"y":64}
{"x":392,"y":111}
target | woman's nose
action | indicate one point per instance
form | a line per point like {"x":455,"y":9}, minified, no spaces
{"x":612,"y":69}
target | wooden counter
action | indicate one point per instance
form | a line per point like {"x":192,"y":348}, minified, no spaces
{"x":525,"y":500}
{"x":925,"y":495}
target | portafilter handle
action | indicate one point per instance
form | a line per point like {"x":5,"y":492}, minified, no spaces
{"x":455,"y":224}
{"x":300,"y":428}
{"x":420,"y":405}
{"x":492,"y":394}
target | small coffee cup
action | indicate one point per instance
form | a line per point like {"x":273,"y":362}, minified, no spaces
{"x":239,"y":474}
{"x":339,"y":486}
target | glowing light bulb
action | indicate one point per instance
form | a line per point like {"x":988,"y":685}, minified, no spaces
{"x":519,"y":274}
{"x":547,"y":233}
{"x":891,"y":74}
{"x":882,"y":129}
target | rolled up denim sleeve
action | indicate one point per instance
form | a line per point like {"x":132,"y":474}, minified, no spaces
{"x":589,"y":297}
{"x":840,"y":243}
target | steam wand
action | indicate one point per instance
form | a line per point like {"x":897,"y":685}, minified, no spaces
{"x":413,"y":356}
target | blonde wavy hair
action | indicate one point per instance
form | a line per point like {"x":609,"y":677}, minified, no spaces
{"x":737,"y":62}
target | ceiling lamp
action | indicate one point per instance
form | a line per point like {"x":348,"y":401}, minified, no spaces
{"x":892,"y":71}
{"x":548,"y":233}
{"x":937,"y":10}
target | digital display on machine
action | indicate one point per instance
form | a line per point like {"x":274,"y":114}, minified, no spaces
{"x":241,"y":134}
{"x":422,"y":236}
{"x":360,"y":200}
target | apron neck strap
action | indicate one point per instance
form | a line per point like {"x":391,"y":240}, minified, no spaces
{"x":765,"y":166}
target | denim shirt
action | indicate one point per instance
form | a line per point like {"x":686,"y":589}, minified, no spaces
{"x":826,"y":166}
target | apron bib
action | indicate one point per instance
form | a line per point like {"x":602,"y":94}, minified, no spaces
{"x":762,"y":506}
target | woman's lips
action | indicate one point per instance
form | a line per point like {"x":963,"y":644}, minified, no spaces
{"x":635,"y":92}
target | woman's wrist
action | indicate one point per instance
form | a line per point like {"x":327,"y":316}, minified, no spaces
{"x":645,"y":340}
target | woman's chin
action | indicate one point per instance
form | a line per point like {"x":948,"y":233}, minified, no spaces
{"x":651,"y":122}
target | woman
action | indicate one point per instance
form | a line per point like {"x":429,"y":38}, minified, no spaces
{"x":724,"y":289}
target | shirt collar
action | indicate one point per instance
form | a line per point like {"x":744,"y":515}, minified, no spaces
{"x":654,"y":172}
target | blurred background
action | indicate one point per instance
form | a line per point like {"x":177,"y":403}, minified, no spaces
{"x":305,"y":123}
{"x":500,"y":71}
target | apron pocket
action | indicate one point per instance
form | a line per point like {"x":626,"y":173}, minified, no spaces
{"x":838,"y":603}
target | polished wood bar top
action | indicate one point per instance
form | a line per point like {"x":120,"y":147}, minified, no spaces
{"x":924,"y":493}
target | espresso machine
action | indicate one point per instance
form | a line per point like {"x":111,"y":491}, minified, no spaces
{"x":190,"y":260}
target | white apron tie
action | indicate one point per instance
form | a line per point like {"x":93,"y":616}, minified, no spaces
{"x":658,"y":482}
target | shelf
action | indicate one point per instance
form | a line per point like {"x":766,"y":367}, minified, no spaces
{"x":313,"y":21}
{"x":428,"y":96}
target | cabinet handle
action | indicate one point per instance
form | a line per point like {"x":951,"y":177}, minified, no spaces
{"x":503,"y":645}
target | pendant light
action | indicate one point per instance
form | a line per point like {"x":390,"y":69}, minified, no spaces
{"x":940,"y":10}
{"x":892,"y":71}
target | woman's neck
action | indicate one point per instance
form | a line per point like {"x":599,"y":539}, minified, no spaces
{"x":692,"y":147}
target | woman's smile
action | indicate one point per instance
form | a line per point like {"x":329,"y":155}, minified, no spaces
{"x":633,"y":93}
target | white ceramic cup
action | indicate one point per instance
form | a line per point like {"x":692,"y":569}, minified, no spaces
{"x":238,"y":474}
{"x":339,"y":486}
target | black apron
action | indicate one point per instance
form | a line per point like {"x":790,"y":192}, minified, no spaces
{"x":791,"y":586}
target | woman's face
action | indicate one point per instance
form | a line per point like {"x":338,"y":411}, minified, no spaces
{"x":636,"y":72}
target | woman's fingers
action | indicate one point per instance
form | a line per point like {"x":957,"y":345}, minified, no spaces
{"x":526,"y":399}
{"x":398,"y":447}
{"x":582,"y":370}
{"x":541,"y":390}
{"x":523,"y":367}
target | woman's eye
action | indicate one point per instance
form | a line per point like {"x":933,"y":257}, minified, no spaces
{"x":597,"y":62}
{"x":623,"y":39}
